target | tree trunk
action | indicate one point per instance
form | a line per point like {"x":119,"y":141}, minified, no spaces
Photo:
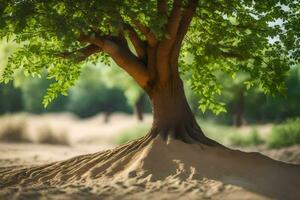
{"x":172,"y":116}
{"x":239,"y":109}
{"x":107,"y":115}
{"x":138,"y":107}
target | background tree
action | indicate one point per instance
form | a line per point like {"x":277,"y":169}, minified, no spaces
{"x":10,"y":97}
{"x":33,"y":90}
{"x":227,"y":36}
{"x":91,"y":95}
{"x":136,"y":98}
{"x":234,"y":95}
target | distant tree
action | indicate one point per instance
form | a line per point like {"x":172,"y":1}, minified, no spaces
{"x":234,"y":95}
{"x":149,"y":40}
{"x":10,"y":99}
{"x":260,"y":108}
{"x":10,"y":96}
{"x":136,"y":97}
{"x":91,"y":95}
{"x":33,"y":90}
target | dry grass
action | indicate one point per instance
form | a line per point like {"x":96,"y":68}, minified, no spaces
{"x":13,"y":128}
{"x":46,"y":135}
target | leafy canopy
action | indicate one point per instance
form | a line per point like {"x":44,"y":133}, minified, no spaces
{"x":260,"y":38}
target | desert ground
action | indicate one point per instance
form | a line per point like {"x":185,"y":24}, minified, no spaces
{"x":62,"y":138}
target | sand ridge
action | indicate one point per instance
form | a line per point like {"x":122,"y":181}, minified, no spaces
{"x":150,"y":164}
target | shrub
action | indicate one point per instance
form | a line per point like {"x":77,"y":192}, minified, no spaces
{"x":252,"y":139}
{"x":285,"y":134}
{"x":13,"y":129}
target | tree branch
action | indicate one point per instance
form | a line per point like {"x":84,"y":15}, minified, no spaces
{"x":146,"y":31}
{"x":174,"y":19}
{"x":81,"y":54}
{"x":166,"y":44}
{"x":122,"y":56}
{"x":139,"y":45}
{"x":185,"y":22}
{"x":172,"y":26}
{"x":162,"y":7}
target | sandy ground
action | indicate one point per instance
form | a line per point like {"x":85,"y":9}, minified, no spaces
{"x":177,"y":185}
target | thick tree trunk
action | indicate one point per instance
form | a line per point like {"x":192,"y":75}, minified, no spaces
{"x":138,"y":107}
{"x":172,"y":116}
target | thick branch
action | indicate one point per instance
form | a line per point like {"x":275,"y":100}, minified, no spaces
{"x":174,"y":20}
{"x":147,"y":32}
{"x":166,"y":44}
{"x":182,"y":30}
{"x":122,"y":56}
{"x":139,"y":45}
{"x":162,"y":7}
{"x":81,"y":54}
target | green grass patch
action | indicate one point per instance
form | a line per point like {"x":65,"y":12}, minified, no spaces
{"x":251,"y":139}
{"x":217,"y":132}
{"x":285,"y":134}
{"x":131,"y":133}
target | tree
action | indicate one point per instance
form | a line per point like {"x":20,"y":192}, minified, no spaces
{"x":264,"y":109}
{"x":33,"y":90}
{"x":149,"y":40}
{"x":234,"y":95}
{"x":226,"y":36}
{"x":10,"y":99}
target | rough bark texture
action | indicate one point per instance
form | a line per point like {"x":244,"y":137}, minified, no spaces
{"x":172,"y":116}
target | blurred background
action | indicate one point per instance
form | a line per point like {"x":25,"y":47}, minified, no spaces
{"x":106,"y":108}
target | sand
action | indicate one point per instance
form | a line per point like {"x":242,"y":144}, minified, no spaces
{"x":153,"y":168}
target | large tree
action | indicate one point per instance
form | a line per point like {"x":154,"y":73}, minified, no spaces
{"x":150,"y":40}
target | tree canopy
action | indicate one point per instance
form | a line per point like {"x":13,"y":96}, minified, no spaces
{"x":260,"y":38}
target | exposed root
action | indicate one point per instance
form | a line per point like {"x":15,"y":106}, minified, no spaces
{"x":188,"y":133}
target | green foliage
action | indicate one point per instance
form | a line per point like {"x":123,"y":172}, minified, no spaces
{"x":228,"y":36}
{"x":285,"y":134}
{"x":33,"y":91}
{"x":251,"y":139}
{"x":258,"y":108}
{"x":262,"y":108}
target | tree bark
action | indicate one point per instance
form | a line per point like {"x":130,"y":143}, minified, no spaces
{"x":172,"y":116}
